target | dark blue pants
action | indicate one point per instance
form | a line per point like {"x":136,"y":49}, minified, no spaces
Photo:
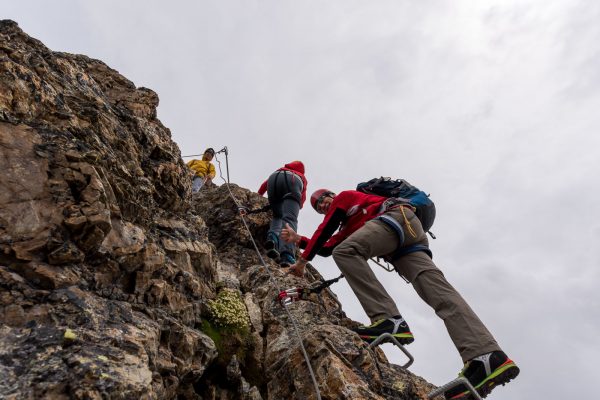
{"x":284,"y":190}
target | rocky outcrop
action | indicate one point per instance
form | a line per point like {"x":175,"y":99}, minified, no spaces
{"x":96,"y":235}
{"x":116,"y":283}
{"x":344,"y":365}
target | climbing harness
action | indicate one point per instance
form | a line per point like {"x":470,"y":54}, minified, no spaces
{"x":401,"y":250}
{"x":271,"y":277}
{"x":286,"y":297}
{"x":458,"y":381}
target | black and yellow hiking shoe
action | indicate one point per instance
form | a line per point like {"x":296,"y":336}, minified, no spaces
{"x":485,"y":373}
{"x":397,"y":326}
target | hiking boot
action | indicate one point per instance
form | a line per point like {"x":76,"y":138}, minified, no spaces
{"x":395,"y":325}
{"x":273,"y":254}
{"x":286,"y":260}
{"x":485,"y":373}
{"x":271,"y":245}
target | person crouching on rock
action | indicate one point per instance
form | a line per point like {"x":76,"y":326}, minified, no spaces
{"x":204,"y":170}
{"x":368,"y":227}
{"x":286,"y":190}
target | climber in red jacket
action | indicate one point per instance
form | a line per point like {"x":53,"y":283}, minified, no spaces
{"x":369,"y":226}
{"x":286,"y":190}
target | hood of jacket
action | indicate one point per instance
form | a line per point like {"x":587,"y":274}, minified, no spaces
{"x":296,"y":166}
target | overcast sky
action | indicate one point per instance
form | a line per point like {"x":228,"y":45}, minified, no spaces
{"x":492,"y":107}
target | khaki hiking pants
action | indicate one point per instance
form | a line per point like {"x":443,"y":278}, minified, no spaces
{"x":376,"y":238}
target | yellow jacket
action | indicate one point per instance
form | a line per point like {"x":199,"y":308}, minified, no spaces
{"x":202,"y":168}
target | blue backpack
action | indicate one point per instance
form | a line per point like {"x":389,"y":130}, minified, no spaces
{"x":401,"y":189}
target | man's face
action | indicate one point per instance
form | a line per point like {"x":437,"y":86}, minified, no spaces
{"x":324,"y":204}
{"x":208,"y":156}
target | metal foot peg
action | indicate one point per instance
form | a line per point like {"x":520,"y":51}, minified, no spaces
{"x":394,"y":341}
{"x":458,"y":381}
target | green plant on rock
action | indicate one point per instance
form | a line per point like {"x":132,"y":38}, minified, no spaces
{"x":228,"y":310}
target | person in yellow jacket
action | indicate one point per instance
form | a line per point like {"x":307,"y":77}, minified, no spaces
{"x":204,"y":170}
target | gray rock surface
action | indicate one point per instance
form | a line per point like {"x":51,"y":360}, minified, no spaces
{"x":116,"y":283}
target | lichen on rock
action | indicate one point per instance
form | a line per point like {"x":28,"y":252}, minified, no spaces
{"x":228,"y":310}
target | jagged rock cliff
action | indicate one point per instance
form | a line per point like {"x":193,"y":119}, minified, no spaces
{"x":116,"y":283}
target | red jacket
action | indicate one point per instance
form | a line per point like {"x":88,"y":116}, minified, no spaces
{"x":348,"y":211}
{"x":297,"y":168}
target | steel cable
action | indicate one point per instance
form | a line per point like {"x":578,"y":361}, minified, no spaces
{"x":274,"y":282}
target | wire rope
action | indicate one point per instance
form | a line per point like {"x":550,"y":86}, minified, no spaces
{"x":274,"y":282}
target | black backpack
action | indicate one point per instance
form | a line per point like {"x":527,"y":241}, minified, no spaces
{"x":401,"y":189}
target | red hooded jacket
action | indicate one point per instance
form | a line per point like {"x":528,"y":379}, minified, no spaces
{"x":348,"y":211}
{"x":297,"y":168}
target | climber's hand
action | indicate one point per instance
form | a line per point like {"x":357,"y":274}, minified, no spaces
{"x":289,"y":235}
{"x":298,"y":268}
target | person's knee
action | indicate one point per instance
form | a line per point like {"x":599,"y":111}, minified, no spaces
{"x":413,"y":264}
{"x":428,"y":278}
{"x":346,"y":249}
{"x":337,"y":253}
{"x":435,"y":290}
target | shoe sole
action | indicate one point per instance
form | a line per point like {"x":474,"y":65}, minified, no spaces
{"x":402,"y":338}
{"x":501,"y":376}
{"x":285,"y":262}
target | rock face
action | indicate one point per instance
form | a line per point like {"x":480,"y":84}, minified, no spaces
{"x":116,"y":283}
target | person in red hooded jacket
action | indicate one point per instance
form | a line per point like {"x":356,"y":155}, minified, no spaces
{"x":357,"y":226}
{"x":286,"y":190}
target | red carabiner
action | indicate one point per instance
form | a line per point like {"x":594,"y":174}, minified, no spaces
{"x":286,"y":297}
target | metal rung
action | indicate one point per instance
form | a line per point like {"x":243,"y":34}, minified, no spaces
{"x":394,"y":341}
{"x":458,"y":381}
